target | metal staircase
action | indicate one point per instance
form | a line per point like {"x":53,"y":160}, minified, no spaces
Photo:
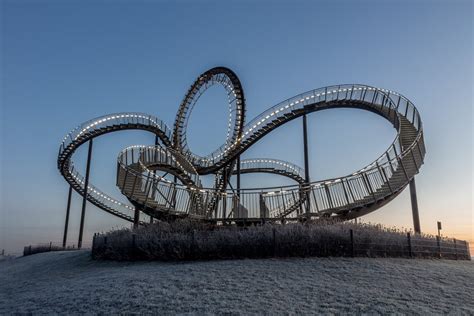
{"x":344,"y":197}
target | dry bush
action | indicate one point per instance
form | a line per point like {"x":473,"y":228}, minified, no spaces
{"x":192,"y":240}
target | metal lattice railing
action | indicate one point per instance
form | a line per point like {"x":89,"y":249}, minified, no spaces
{"x":368,"y":188}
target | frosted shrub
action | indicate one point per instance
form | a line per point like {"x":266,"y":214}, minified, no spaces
{"x":191,"y":240}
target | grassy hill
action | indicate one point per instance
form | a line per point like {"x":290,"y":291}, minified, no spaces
{"x":71,"y":282}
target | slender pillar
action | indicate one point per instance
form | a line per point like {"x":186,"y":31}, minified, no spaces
{"x":224,"y":198}
{"x":84,"y":198}
{"x":175,"y":179}
{"x":306,"y":165}
{"x":66,"y":224}
{"x":238,"y":177}
{"x":154,"y":172}
{"x":136,"y":217}
{"x":414,"y":207}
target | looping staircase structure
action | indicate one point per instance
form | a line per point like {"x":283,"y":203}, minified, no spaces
{"x":346,"y":197}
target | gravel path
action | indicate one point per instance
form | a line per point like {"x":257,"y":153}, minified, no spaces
{"x":70,"y":282}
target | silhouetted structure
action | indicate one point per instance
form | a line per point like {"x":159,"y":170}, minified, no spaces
{"x":345,"y":197}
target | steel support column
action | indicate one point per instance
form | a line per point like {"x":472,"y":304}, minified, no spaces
{"x":306,"y":165}
{"x":84,"y":197}
{"x":66,"y":224}
{"x":154,"y":171}
{"x":136,"y":217}
{"x":224,"y":200}
{"x":175,"y":179}
{"x":238,"y":177}
{"x":414,"y":207}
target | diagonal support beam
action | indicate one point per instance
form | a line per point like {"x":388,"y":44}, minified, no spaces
{"x":84,"y":198}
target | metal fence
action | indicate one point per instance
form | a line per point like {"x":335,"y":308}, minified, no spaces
{"x":53,"y":246}
{"x":272,"y":243}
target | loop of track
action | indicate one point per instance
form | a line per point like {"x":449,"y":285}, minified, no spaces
{"x":345,"y":197}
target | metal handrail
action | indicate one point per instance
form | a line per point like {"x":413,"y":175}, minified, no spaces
{"x":339,"y":192}
{"x":364,"y":173}
{"x":372,"y":165}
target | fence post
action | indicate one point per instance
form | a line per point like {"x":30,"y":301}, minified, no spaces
{"x":438,"y":242}
{"x":50,"y":245}
{"x":351,"y":232}
{"x":409,"y":245}
{"x":134,"y":247}
{"x":455,"y":249}
{"x":274,"y":241}
{"x":193,"y":242}
{"x":29,"y":251}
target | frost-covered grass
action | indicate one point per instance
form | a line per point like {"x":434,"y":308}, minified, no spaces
{"x":72,"y":283}
{"x":31,"y":250}
{"x":6,"y":257}
{"x":191,"y":240}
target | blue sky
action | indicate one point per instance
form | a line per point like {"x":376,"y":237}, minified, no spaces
{"x":64,"y":62}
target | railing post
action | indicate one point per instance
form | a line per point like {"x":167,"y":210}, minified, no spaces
{"x":84,"y":198}
{"x":345,"y":191}
{"x":193,"y":244}
{"x":368,"y":186}
{"x":328,"y":194}
{"x":148,"y":186}
{"x":384,"y":175}
{"x":351,"y":232}
{"x":134,"y":184}
{"x":414,"y":160}
{"x":455,"y":249}
{"x":414,"y":207}
{"x":274,"y":241}
{"x":438,"y":243}
{"x":403,"y":168}
{"x":409,"y":245}
{"x":389,"y":161}
{"x":350,"y":191}
{"x":68,"y":208}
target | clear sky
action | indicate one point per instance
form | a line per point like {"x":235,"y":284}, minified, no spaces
{"x":64,"y":62}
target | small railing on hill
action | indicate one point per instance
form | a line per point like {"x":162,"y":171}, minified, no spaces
{"x":53,"y":246}
{"x":274,"y":242}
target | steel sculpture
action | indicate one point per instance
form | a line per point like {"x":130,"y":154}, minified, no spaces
{"x":157,"y":197}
